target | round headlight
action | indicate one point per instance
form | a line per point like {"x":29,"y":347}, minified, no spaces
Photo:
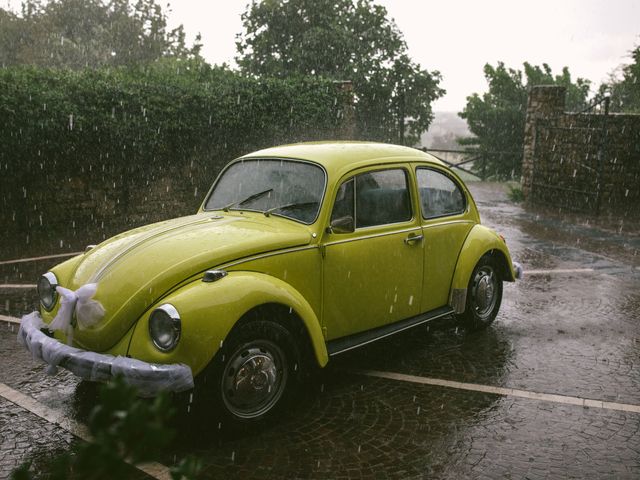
{"x":47,"y":290}
{"x":165,"y":327}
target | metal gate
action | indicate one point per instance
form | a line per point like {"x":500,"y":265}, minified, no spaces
{"x":474,"y":162}
{"x":568,"y":159}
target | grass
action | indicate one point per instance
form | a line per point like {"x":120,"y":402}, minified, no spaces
{"x":515,"y":193}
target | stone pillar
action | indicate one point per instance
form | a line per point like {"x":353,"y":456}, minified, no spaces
{"x":546,"y":102}
{"x":347,"y":128}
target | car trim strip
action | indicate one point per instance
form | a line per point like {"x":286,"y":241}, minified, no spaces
{"x":374,"y":235}
{"x":344,"y":344}
{"x":265,"y":255}
{"x":447,"y":222}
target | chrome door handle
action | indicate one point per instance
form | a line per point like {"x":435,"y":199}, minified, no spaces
{"x":411,"y":239}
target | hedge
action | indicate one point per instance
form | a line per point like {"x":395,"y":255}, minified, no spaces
{"x":86,"y":154}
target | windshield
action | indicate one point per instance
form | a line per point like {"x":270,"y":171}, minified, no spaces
{"x":286,"y":188}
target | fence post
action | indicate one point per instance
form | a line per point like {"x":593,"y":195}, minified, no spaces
{"x":602,"y":153}
{"x":483,"y":174}
{"x":401,"y":115}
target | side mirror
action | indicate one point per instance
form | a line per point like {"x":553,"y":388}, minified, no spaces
{"x":342,"y":225}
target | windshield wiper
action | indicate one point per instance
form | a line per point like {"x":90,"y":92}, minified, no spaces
{"x":247,"y":200}
{"x":288,"y":205}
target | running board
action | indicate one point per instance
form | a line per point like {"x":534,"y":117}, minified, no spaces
{"x":344,"y":344}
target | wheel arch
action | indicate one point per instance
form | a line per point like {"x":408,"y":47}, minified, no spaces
{"x":210,"y":312}
{"x":288,"y":318}
{"x":505,"y":269}
{"x":481,"y":241}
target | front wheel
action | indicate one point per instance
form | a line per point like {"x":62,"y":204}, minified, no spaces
{"x":252,"y":376}
{"x":484,"y":294}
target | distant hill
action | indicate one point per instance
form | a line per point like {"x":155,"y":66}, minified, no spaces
{"x":444,"y":130}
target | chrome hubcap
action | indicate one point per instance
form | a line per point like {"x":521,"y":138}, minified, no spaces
{"x":485,"y":291}
{"x":254,"y":379}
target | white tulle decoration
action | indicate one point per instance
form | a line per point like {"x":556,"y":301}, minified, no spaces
{"x":88,"y":312}
{"x":62,"y":321}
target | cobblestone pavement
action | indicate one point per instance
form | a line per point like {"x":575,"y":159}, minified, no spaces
{"x":574,"y":333}
{"x":24,"y":436}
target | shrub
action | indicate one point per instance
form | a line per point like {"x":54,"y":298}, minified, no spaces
{"x":88,"y":153}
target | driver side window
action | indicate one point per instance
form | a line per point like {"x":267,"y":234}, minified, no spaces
{"x":373,"y":198}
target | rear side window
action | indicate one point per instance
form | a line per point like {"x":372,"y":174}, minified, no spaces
{"x":439,"y":194}
{"x":381,"y":198}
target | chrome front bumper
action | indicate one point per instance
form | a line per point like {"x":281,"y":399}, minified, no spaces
{"x":149,"y":378}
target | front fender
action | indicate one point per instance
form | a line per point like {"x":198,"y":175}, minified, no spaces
{"x":480,"y":241}
{"x":210,"y":310}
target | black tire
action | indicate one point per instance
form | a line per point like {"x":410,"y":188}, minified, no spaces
{"x":484,"y":295}
{"x":251,"y":378}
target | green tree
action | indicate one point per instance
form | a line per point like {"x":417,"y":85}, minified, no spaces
{"x":625,"y":91}
{"x":343,"y":40}
{"x":90,"y":33}
{"x":497,"y":118}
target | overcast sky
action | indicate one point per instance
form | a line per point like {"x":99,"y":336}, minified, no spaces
{"x":457,"y":37}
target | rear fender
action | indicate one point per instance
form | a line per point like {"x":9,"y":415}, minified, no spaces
{"x":480,"y":241}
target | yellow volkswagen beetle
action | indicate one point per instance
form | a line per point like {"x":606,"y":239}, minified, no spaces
{"x":298,"y":253}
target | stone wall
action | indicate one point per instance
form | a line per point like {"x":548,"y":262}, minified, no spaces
{"x":586,"y":162}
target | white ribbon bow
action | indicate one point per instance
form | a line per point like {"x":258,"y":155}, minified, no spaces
{"x":88,"y":312}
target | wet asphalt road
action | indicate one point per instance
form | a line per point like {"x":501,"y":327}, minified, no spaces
{"x":571,"y":329}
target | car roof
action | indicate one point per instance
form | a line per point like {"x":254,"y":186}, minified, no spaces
{"x":336,"y":157}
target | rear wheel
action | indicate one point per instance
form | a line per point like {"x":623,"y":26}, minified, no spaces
{"x":484,"y":294}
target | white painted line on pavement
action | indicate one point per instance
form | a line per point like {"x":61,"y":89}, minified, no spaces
{"x":42,"y":411}
{"x":18,"y":285}
{"x":35,"y":259}
{"x":559,"y":270}
{"x":510,"y":392}
{"x":154,"y":469}
{"x":6,"y":318}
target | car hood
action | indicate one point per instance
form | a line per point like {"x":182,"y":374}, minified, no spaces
{"x":134,"y":269}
